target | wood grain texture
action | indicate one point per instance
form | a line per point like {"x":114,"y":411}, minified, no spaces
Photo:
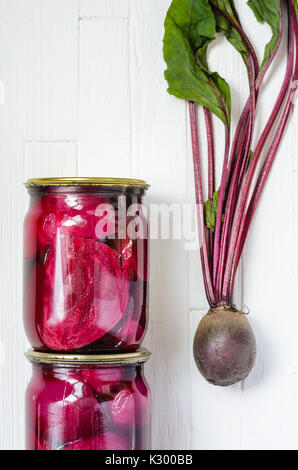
{"x":104,"y":98}
{"x":85,"y":95}
{"x":51,"y":69}
{"x":159,"y":138}
{"x":12,"y":203}
{"x":103,"y":8}
{"x":44,"y":159}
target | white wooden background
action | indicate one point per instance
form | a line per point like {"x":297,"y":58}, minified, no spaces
{"x":85,"y":95}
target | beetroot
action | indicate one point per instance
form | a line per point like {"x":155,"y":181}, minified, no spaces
{"x":140,"y":259}
{"x":126,"y":252}
{"x":62,"y":409}
{"x":224,"y":346}
{"x":30,"y":231}
{"x":128,"y":333}
{"x":87,"y":406}
{"x":133,"y":256}
{"x":142,"y":397}
{"x":84,"y":215}
{"x":129,"y":330}
{"x":129,"y":405}
{"x":32,"y":441}
{"x":102,"y":380}
{"x":81,"y":285}
{"x":84,"y":292}
{"x":122,"y":329}
{"x":105,"y":441}
{"x":122,"y":408}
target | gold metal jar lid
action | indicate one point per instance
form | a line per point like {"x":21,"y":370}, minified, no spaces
{"x":142,"y":355}
{"x":76,"y":181}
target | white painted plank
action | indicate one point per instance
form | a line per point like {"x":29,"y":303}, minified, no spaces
{"x":12,"y":201}
{"x":270,"y":293}
{"x":104,"y":146}
{"x":50,"y":159}
{"x":51,"y":77}
{"x":158,"y":155}
{"x":103,"y":8}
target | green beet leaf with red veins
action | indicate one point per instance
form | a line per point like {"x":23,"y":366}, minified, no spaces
{"x":224,"y":344}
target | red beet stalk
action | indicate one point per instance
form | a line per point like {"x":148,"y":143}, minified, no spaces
{"x":235,"y":207}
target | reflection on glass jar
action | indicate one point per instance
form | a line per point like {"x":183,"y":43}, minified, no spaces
{"x":103,"y":405}
{"x":85,"y":265}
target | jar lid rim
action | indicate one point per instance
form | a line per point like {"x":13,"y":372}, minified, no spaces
{"x":142,"y":355}
{"x":85,"y":181}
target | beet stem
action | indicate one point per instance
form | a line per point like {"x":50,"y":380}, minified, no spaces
{"x":229,"y":214}
{"x":221,"y":199}
{"x":245,"y":113}
{"x":289,"y":81}
{"x":211,"y":171}
{"x":238,"y":236}
{"x":221,"y":251}
{"x":219,"y":264}
{"x":241,"y":32}
{"x":200,"y":204}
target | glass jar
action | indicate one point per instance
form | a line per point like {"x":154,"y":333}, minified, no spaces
{"x":88,"y":402}
{"x":85,"y":264}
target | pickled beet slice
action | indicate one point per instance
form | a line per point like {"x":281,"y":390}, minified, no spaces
{"x":65,"y":410}
{"x":81,"y":215}
{"x":131,"y":330}
{"x":84,"y":215}
{"x":129,"y":333}
{"x":104,"y":441}
{"x":102,"y":380}
{"x":32,"y":441}
{"x":133,"y":257}
{"x":142,"y":396}
{"x":121,"y":331}
{"x":31,"y":230}
{"x":129,"y":407}
{"x":141,"y":260}
{"x":39,"y":446}
{"x":122,"y":408}
{"x":84,"y":293}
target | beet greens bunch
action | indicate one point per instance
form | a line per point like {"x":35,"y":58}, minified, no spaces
{"x":224,"y":345}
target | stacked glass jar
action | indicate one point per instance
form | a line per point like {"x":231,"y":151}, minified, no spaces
{"x":85,"y":313}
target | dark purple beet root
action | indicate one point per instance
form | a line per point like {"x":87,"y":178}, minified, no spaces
{"x":224,"y":346}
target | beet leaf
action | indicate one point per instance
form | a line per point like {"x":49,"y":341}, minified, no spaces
{"x":211,"y":211}
{"x":228,"y":23}
{"x":269,"y":12}
{"x":189,"y":29}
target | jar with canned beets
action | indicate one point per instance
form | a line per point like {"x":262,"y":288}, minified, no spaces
{"x":95,"y":402}
{"x":85,"y":265}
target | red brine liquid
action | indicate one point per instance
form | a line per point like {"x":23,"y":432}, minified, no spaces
{"x":85,"y":269}
{"x":88,"y":407}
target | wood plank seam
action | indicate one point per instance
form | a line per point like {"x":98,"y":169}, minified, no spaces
{"x":53,"y":141}
{"x":78,"y":87}
{"x":130,"y":98}
{"x":91,"y":18}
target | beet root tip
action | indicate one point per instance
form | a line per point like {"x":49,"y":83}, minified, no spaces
{"x":224,"y":346}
